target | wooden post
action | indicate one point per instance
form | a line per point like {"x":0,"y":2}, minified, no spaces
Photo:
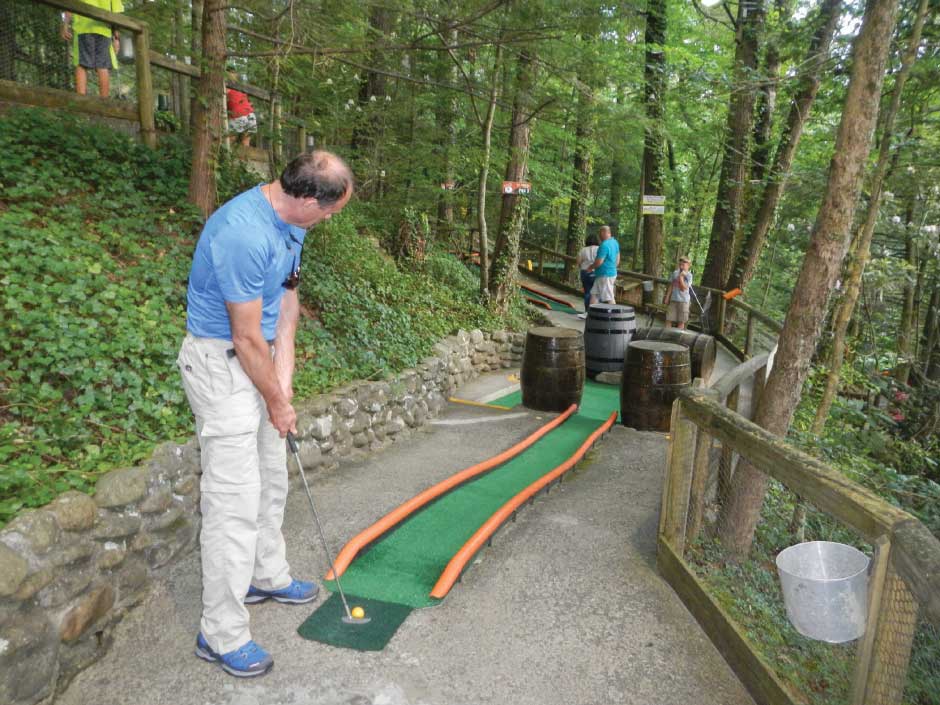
{"x":673,"y":519}
{"x":276,"y":151}
{"x":749,"y":339}
{"x":885,"y":649}
{"x":720,"y":322}
{"x":700,"y":475}
{"x":148,"y":128}
{"x":541,"y":260}
{"x":301,"y":141}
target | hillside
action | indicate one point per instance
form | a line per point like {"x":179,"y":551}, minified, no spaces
{"x":96,"y":247}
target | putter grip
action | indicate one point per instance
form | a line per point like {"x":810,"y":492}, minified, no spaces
{"x":292,"y":442}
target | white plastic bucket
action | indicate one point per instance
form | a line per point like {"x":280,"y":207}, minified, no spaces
{"x":825,"y":589}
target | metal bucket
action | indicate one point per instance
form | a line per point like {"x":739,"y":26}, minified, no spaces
{"x":825,"y":589}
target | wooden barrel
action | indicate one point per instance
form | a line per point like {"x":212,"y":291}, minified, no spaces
{"x":607,"y":331}
{"x":701,"y":347}
{"x":653,"y":374}
{"x":552,"y":368}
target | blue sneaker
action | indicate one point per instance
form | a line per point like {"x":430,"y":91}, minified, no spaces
{"x":247,"y":661}
{"x":297,"y":593}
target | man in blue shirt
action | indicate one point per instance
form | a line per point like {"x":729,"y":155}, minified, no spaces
{"x":605,"y":268}
{"x":237,"y":364}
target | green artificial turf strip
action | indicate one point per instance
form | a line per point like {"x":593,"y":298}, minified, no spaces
{"x":326,"y":624}
{"x":597,"y":401}
{"x":404,"y":565}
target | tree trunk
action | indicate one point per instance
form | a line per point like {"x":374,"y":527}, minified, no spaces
{"x":617,"y":178}
{"x":195,"y":51}
{"x":930,"y":351}
{"x":721,"y":245}
{"x":446,"y":116}
{"x":514,"y":206}
{"x":758,"y":226}
{"x":484,"y":175}
{"x":820,"y":269}
{"x":862,"y":246}
{"x":902,"y":369}
{"x":207,"y":118}
{"x":655,"y":79}
{"x":581,"y":177}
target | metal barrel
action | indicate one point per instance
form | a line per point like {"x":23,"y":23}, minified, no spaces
{"x":654,"y":373}
{"x":552,"y":377}
{"x":607,"y":331}
{"x":702,"y":349}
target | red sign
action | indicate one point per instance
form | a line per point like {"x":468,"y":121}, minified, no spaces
{"x":516,"y":186}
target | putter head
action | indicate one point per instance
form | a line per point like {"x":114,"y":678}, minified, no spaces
{"x":352,"y":620}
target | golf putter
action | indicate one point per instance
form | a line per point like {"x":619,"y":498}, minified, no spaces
{"x":295,"y":449}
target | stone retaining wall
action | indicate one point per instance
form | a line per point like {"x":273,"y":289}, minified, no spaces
{"x":70,"y":570}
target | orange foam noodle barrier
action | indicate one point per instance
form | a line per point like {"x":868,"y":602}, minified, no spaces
{"x":352,"y":548}
{"x":728,"y":295}
{"x":545,"y":296}
{"x":538,"y":302}
{"x":468,"y":551}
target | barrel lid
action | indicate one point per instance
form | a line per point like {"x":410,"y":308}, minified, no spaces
{"x":554,"y":332}
{"x":612,"y":307}
{"x":657,"y":345}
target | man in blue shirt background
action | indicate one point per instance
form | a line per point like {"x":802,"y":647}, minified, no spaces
{"x":605,"y":268}
{"x":237,"y":364}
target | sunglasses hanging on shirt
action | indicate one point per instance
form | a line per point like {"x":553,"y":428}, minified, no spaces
{"x":293,"y":279}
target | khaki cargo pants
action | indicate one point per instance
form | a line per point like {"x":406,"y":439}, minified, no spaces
{"x":244,"y":489}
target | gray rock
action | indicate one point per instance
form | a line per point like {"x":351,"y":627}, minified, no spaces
{"x":186,"y":485}
{"x":115,"y":526}
{"x":120,"y":487}
{"x":13,"y":570}
{"x":133,"y":576}
{"x":360,"y":440}
{"x":34,"y":583}
{"x":476,"y":336}
{"x":75,"y":553}
{"x":34,"y":529}
{"x":111,"y":557}
{"x":167,"y":520}
{"x":66,"y":586}
{"x":320,"y":427}
{"x":361,"y":421}
{"x":310,"y":453}
{"x":500,"y":336}
{"x":74,"y":511}
{"x":77,"y":655}
{"x":158,"y":501}
{"x":346,"y":407}
{"x":30,"y":648}
{"x":86,"y":611}
{"x":395,"y":425}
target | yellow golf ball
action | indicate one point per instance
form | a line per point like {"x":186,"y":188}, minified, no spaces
{"x":358,"y":613}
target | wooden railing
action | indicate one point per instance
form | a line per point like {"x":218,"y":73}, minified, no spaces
{"x":630,"y":290}
{"x":905,"y":571}
{"x":144,"y":61}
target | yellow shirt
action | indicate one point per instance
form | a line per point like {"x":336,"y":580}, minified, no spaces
{"x":86,"y":25}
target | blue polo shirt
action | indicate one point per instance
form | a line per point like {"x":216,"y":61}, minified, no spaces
{"x":608,"y":251}
{"x":245,"y":253}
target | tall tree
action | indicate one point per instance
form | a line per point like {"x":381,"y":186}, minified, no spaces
{"x":821,"y":266}
{"x":721,"y":246}
{"x":514,"y":206}
{"x":654,"y":76}
{"x":581,"y":175}
{"x":487,"y":127}
{"x":207,"y":117}
{"x":758,"y":225}
{"x":861,"y":249}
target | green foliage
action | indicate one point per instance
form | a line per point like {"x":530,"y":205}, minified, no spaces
{"x":96,"y":248}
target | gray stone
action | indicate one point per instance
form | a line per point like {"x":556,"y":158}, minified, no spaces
{"x":34,"y":583}
{"x":158,"y":501}
{"x":346,"y":407}
{"x":186,"y":485}
{"x":476,"y":336}
{"x":326,"y":445}
{"x":310,"y":453}
{"x":500,"y":336}
{"x":141,"y":542}
{"x":66,"y":586}
{"x":133,"y":576}
{"x":320,"y":427}
{"x":86,"y":611}
{"x":120,"y":487}
{"x":69,"y":555}
{"x":74,"y":511}
{"x":166,"y":520}
{"x":360,"y":439}
{"x":28,"y":656}
{"x":115,"y":526}
{"x":111,"y":557}
{"x":315,"y":406}
{"x":78,"y":655}
{"x":13,"y":570}
{"x":34,"y":529}
{"x":361,"y":421}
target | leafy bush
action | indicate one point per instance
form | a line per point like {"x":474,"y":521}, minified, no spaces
{"x":97,"y":243}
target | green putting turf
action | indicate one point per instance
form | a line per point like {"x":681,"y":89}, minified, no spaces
{"x":405,"y":564}
{"x":597,"y":401}
{"x":326,"y":624}
{"x":555,"y":305}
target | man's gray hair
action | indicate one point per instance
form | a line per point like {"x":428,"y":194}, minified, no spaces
{"x":320,"y":175}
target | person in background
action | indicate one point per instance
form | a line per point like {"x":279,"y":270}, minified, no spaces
{"x":605,"y":268}
{"x":242,"y":122}
{"x":237,"y":366}
{"x":94,"y":46}
{"x":677,"y":295}
{"x":586,"y":258}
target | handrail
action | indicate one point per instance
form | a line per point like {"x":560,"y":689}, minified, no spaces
{"x":916,"y":557}
{"x":112,"y":18}
{"x":739,"y":374}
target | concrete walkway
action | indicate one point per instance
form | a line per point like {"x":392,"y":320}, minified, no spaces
{"x":565,"y":607}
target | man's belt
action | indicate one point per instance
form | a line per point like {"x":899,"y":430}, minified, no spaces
{"x":231,"y":351}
